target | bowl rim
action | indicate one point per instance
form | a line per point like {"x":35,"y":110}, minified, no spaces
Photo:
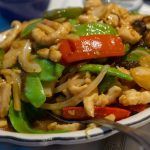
{"x":75,"y":137}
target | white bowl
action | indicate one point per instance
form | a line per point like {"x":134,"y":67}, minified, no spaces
{"x":75,"y":137}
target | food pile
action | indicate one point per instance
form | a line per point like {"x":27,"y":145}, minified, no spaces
{"x":78,"y":63}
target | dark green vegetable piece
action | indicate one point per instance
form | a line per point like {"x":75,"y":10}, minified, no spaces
{"x":107,"y":83}
{"x":94,"y":28}
{"x":127,"y":48}
{"x":1,"y":57}
{"x":96,"y":68}
{"x":21,"y":124}
{"x":73,"y":22}
{"x":34,"y":91}
{"x":50,"y":71}
{"x":68,"y":13}
{"x":58,"y":70}
{"x":48,"y":68}
{"x":34,"y":113}
{"x":29,"y":28}
{"x":136,"y":54}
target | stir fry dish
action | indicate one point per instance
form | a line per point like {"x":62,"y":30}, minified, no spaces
{"x":77,"y":63}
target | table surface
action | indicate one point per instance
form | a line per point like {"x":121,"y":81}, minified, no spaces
{"x":115,"y":142}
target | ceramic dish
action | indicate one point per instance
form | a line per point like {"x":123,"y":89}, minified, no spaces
{"x":76,"y":137}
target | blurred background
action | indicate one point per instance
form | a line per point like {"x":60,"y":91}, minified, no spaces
{"x":28,"y":9}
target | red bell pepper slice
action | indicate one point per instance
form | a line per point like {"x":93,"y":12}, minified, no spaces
{"x":79,"y":113}
{"x":91,"y":47}
{"x":137,"y":108}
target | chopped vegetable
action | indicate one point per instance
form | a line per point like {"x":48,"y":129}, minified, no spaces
{"x":20,"y":123}
{"x":107,"y":83}
{"x":68,"y":13}
{"x":30,"y":27}
{"x":96,"y":68}
{"x":73,"y":21}
{"x":127,"y":48}
{"x":47,"y":72}
{"x":34,"y":91}
{"x":58,"y":70}
{"x":137,"y":108}
{"x":94,"y":29}
{"x":79,"y":113}
{"x":135,"y":55}
{"x":91,"y":47}
{"x":33,"y":113}
{"x":50,"y":71}
{"x":79,"y":97}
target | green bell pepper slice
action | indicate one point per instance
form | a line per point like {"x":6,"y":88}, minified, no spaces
{"x":47,"y":72}
{"x":96,"y":68}
{"x":59,"y":70}
{"x":68,"y":13}
{"x":107,"y":83}
{"x":50,"y":71}
{"x":29,"y":28}
{"x":34,"y":91}
{"x":94,"y":28}
{"x":135,"y":55}
{"x":21,"y":124}
{"x":1,"y":57}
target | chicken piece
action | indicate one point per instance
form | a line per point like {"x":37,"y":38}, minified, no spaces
{"x":89,"y":104}
{"x":109,"y":98}
{"x":67,"y":127}
{"x":114,"y":15}
{"x":44,"y":52}
{"x":128,"y":34}
{"x":54,"y":53}
{"x":120,"y":18}
{"x":133,"y":18}
{"x":133,"y":97}
{"x":51,"y":53}
{"x":118,"y":10}
{"x":10,"y":58}
{"x":78,"y":83}
{"x":88,"y":18}
{"x":95,"y":10}
{"x":3,"y":123}
{"x":11,"y":35}
{"x":112,"y":19}
{"x":14,"y":77}
{"x":5,"y":94}
{"x":48,"y":32}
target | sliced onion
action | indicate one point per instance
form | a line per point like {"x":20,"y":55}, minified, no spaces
{"x":26,"y":61}
{"x":64,"y":85}
{"x":142,"y":53}
{"x":75,"y":100}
